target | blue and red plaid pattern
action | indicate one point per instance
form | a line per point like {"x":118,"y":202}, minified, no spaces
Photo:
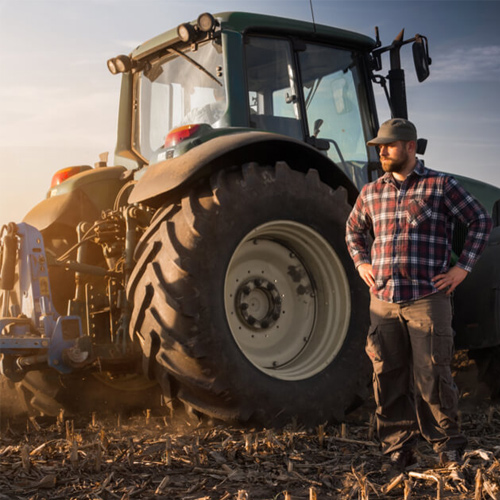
{"x":412,"y":227}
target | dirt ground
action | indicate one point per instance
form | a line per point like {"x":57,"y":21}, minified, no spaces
{"x":157,"y":456}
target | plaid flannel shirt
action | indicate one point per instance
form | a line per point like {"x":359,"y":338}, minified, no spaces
{"x":412,"y":226}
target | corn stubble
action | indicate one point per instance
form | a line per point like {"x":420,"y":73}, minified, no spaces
{"x":152,"y":456}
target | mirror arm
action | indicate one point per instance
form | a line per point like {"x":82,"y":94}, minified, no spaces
{"x":380,"y":80}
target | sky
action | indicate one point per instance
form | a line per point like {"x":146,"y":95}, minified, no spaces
{"x":59,"y":103}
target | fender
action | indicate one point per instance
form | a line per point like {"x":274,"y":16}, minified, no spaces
{"x":80,"y":198}
{"x":163,"y":181}
{"x":68,"y":209}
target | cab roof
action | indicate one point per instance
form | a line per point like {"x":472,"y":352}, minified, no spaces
{"x":247,"y":22}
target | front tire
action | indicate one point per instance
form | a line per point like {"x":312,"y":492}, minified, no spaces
{"x":246,"y":302}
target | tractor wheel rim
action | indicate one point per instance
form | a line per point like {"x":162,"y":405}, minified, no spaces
{"x":287,"y":300}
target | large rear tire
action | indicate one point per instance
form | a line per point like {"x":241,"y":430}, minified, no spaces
{"x":246,"y":302}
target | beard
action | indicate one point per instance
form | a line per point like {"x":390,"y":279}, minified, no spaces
{"x":394,"y":164}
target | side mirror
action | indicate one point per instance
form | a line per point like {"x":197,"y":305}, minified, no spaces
{"x":421,"y":57}
{"x":421,"y":146}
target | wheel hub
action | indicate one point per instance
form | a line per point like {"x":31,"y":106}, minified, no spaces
{"x":287,"y":300}
{"x":258,"y":303}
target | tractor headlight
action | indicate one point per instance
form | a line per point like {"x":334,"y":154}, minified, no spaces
{"x":120,"y":64}
{"x":206,"y":22}
{"x":186,"y":32}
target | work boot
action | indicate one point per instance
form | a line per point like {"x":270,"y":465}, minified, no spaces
{"x":399,"y":461}
{"x":451,"y":458}
{"x":402,"y":459}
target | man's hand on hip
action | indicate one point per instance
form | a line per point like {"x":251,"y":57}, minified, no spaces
{"x":450,"y":280}
{"x":366,"y":273}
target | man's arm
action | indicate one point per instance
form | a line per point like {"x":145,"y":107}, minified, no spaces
{"x":468,"y":210}
{"x":357,"y":227}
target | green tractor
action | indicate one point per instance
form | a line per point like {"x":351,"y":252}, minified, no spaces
{"x":208,"y":266}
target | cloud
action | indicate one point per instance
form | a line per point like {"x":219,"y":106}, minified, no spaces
{"x":474,"y":64}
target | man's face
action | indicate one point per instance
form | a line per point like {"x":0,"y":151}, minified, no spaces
{"x":394,"y":156}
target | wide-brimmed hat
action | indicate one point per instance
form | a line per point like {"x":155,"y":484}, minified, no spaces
{"x":396,"y":129}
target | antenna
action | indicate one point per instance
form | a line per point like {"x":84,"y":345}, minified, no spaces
{"x":312,"y":14}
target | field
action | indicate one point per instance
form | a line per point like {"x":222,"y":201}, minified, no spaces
{"x":175,"y":457}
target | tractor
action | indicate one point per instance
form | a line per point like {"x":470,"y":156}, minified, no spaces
{"x":206,"y":268}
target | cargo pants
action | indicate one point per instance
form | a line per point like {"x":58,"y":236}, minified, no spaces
{"x":411,"y":346}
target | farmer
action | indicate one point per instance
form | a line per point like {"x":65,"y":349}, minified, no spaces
{"x":410,"y":212}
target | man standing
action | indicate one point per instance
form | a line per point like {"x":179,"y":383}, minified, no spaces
{"x":410,"y":213}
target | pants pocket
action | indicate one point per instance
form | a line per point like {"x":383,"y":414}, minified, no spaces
{"x":442,"y":346}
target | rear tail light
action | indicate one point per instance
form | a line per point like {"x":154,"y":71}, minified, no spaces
{"x":179,"y":134}
{"x":66,"y":173}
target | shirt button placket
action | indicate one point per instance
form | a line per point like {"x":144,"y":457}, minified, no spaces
{"x":400,"y":197}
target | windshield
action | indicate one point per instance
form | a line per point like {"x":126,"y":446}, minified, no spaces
{"x":174,"y":91}
{"x":330,"y":80}
{"x":335,"y":104}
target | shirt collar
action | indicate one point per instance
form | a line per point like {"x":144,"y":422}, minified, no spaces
{"x":419,"y":169}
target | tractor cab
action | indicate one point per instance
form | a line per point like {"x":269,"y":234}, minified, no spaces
{"x":259,"y":73}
